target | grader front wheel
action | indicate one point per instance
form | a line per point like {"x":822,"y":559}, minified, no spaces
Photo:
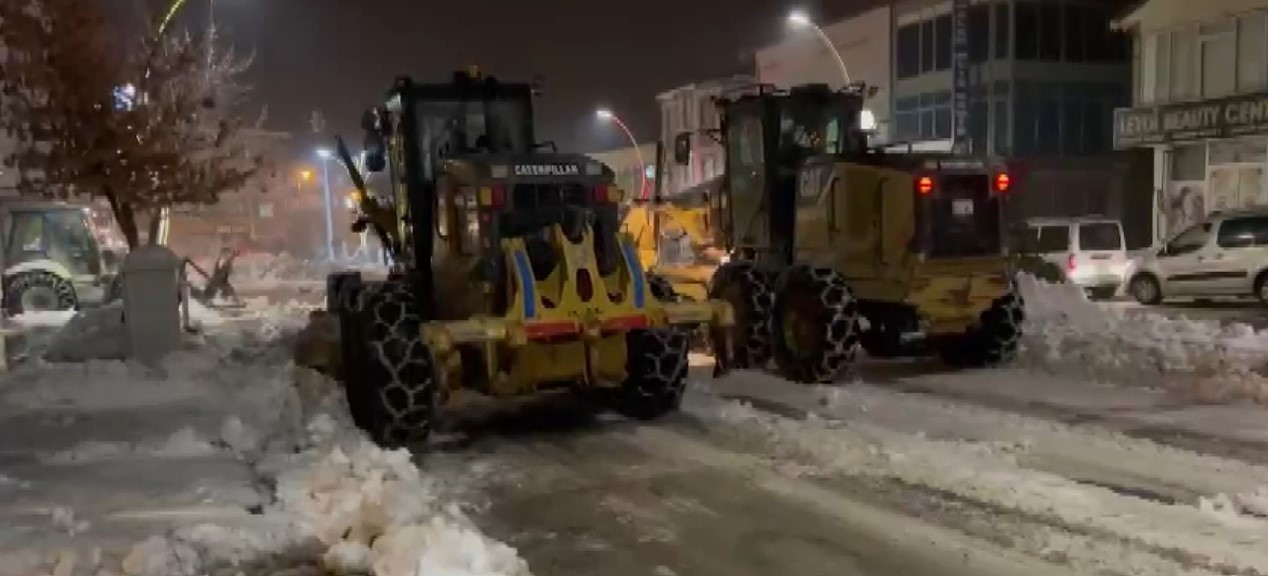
{"x":388,"y":371}
{"x":657,"y":374}
{"x":814,"y":324}
{"x":748,"y":290}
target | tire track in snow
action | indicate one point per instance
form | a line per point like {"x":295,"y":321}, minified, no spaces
{"x":981,"y":473}
{"x":1099,"y":454}
{"x":668,"y":494}
{"x":974,"y":527}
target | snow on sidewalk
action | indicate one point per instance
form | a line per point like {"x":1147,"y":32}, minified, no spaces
{"x":228,"y":457}
{"x":1066,"y":334}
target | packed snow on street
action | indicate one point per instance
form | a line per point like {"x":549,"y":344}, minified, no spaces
{"x":1115,"y":444}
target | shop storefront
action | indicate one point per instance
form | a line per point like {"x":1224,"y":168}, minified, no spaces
{"x":1210,"y":156}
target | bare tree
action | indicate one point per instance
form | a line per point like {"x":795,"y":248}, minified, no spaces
{"x":142,"y":122}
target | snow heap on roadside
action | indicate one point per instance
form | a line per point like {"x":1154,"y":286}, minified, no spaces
{"x":1067,"y":334}
{"x":334,"y":502}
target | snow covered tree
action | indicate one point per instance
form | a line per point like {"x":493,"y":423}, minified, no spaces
{"x":97,"y":110}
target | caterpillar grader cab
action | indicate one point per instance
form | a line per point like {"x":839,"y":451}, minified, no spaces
{"x":824,"y":230}
{"x":508,"y":276}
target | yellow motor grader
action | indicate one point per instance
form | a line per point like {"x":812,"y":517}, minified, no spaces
{"x":825,"y":231}
{"x":508,"y":275}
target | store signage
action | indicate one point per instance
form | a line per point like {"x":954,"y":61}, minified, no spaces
{"x":960,"y":74}
{"x":1217,"y":118}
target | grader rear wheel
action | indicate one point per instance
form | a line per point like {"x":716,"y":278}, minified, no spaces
{"x":814,"y":324}
{"x":992,"y":342}
{"x":748,"y":290}
{"x":388,"y":371}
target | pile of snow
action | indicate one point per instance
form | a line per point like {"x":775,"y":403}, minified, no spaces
{"x":333,"y":500}
{"x":1069,"y":335}
{"x":43,"y":319}
{"x":340,"y":502}
{"x":98,"y":333}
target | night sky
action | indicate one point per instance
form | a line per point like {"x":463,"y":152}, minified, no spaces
{"x":338,"y":56}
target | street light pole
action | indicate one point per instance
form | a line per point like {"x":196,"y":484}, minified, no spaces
{"x":325,"y":156}
{"x":605,"y":114}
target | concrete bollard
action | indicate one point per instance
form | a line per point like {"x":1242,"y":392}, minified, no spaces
{"x":151,"y":307}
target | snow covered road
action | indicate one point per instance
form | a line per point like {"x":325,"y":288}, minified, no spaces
{"x":759,"y":474}
{"x":232,"y":461}
{"x":618,"y":498}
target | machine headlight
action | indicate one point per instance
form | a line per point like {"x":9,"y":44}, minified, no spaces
{"x":867,"y":120}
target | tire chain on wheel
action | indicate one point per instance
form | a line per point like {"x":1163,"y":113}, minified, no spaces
{"x":398,"y":364}
{"x":756,"y":351}
{"x":657,"y":373}
{"x":996,"y":338}
{"x":1007,"y":313}
{"x":65,"y":291}
{"x":839,"y":317}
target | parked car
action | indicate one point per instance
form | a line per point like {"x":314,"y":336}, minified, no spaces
{"x":1089,"y":250}
{"x":1224,"y":255}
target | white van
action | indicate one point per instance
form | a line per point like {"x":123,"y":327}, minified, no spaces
{"x":1224,"y":255}
{"x":1090,"y":250}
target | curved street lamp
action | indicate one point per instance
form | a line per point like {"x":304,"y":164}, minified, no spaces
{"x":799,"y":19}
{"x":605,"y":114}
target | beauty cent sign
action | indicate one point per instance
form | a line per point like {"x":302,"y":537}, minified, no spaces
{"x":1219,"y":118}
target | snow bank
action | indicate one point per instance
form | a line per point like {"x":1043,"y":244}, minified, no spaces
{"x":340,"y":502}
{"x":1069,"y":335}
{"x":1081,"y":517}
{"x":334,"y":501}
{"x":43,"y":319}
{"x":98,"y":333}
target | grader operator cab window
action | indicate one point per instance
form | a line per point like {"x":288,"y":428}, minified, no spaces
{"x":811,"y":127}
{"x":457,"y":128}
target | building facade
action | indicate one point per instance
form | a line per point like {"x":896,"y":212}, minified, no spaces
{"x":1200,"y":106}
{"x":691,"y":109}
{"x":265,"y":214}
{"x":1042,"y":77}
{"x":1034,"y":82}
{"x":864,"y":43}
{"x":632,"y":167}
